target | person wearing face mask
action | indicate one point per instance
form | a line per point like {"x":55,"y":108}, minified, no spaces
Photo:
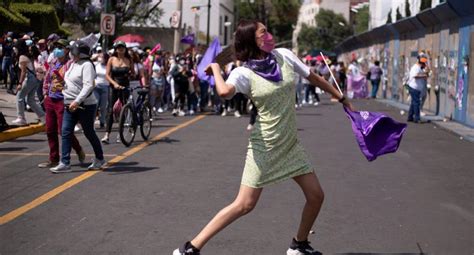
{"x":181,"y":75}
{"x":80,"y":107}
{"x":54,"y":105}
{"x":101,"y":90}
{"x":274,"y":152}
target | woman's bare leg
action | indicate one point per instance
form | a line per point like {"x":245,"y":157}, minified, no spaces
{"x":314,"y":194}
{"x":243,"y":204}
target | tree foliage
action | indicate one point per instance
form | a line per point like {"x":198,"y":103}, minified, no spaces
{"x":278,"y":15}
{"x":425,"y":4}
{"x":137,"y":12}
{"x":331,"y":28}
{"x":306,"y":38}
{"x":362,"y":20}
{"x":407,"y":9}
{"x":389,"y":17}
{"x":398,"y":14}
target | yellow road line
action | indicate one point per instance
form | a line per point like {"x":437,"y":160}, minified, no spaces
{"x":58,"y":190}
{"x":43,"y":154}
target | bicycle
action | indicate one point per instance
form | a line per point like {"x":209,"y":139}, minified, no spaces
{"x":134,"y":114}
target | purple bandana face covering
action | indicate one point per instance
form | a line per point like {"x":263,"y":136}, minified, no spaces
{"x":267,"y":68}
{"x":376,"y":133}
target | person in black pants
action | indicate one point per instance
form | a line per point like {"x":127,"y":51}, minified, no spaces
{"x":181,"y":75}
{"x":118,"y":72}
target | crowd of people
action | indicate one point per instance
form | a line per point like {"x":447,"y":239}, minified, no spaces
{"x":40,"y":73}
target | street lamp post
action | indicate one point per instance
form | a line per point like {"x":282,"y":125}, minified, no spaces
{"x":196,"y":8}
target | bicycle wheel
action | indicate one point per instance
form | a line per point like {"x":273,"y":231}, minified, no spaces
{"x":127,"y":125}
{"x":146,"y":120}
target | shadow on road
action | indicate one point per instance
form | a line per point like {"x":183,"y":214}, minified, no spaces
{"x":13,"y":149}
{"x":127,"y":168}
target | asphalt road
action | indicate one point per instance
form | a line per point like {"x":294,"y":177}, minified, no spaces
{"x":155,"y":197}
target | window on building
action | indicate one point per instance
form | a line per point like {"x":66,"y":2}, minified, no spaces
{"x":220,"y":25}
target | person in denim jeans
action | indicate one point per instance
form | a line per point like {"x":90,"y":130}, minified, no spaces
{"x":375,"y":77}
{"x":54,"y":105}
{"x":80,"y":106}
{"x":416,"y":86}
{"x":27,"y":86}
{"x":101,"y":91}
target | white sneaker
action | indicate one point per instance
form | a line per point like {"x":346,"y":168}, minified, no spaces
{"x":191,"y":112}
{"x":77,"y":128}
{"x":310,"y":101}
{"x":249,"y":127}
{"x":61,"y":168}
{"x":97,"y":164}
{"x":224,"y":113}
{"x":422,"y":114}
{"x":316,"y":103}
{"x":160,"y":110}
{"x":296,"y":106}
{"x":304,"y":102}
{"x":181,"y":113}
{"x":237,"y":114}
{"x":175,"y":112}
{"x":19,"y":121}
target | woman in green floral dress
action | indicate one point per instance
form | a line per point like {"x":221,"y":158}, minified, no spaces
{"x":274,"y":152}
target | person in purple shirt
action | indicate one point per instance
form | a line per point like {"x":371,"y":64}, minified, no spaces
{"x":54,"y":104}
{"x":375,"y":77}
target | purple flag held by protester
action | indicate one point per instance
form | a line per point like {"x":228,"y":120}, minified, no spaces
{"x":376,"y":133}
{"x":188,"y":39}
{"x":208,"y":58}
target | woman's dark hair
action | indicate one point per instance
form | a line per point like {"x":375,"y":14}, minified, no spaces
{"x":34,"y":52}
{"x":377,"y":63}
{"x":22,"y":48}
{"x":245,"y":45}
{"x":127,"y":55}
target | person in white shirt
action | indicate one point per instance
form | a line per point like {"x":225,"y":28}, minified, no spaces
{"x":416,"y":86}
{"x":101,"y":90}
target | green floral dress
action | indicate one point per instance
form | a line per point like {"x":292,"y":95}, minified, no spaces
{"x":274,"y":152}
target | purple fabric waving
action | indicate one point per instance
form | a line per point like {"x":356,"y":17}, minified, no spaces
{"x":376,"y":133}
{"x":208,"y":58}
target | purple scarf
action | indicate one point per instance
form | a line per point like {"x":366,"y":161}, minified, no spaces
{"x":267,"y":68}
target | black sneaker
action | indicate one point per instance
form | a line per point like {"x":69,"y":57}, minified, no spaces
{"x":187,"y":249}
{"x":301,"y":248}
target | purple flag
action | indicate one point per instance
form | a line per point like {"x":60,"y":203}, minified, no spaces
{"x":376,"y":133}
{"x":357,"y":86}
{"x":188,"y":39}
{"x":208,"y":58}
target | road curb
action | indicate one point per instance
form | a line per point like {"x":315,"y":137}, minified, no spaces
{"x":14,"y":133}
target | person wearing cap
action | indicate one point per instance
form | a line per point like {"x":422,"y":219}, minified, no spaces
{"x":118,"y":72}
{"x":54,"y":105}
{"x":417,"y":82}
{"x":80,"y":107}
{"x":27,"y":85}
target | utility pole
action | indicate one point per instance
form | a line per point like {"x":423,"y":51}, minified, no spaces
{"x":177,"y":31}
{"x":105,"y":43}
{"x":208,"y":21}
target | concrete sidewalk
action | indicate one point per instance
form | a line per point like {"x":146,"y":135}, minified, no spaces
{"x":464,"y":132}
{"x":8,"y":108}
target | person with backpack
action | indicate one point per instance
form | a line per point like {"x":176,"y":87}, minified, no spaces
{"x":27,"y":85}
{"x":80,"y":107}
